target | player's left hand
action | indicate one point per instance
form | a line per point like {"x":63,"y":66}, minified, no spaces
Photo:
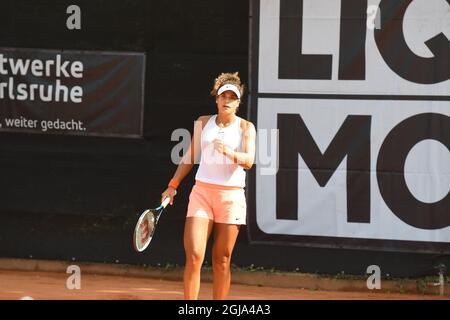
{"x":220,"y":147}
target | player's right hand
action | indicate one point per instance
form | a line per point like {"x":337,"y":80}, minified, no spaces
{"x":169,"y":192}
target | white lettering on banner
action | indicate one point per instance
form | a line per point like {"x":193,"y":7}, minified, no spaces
{"x":43,"y":125}
{"x":56,"y":67}
{"x":47,"y":92}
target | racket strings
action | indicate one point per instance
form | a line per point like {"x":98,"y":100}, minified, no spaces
{"x":146,"y":230}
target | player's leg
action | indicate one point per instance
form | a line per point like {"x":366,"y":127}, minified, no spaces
{"x":225,"y":236}
{"x":196,"y":234}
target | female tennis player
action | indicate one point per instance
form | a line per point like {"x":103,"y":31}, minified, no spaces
{"x":225,"y":144}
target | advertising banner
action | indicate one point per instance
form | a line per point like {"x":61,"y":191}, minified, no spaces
{"x":71,"y":92}
{"x":351,"y":100}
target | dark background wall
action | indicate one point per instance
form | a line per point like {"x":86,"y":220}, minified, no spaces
{"x":75,"y":198}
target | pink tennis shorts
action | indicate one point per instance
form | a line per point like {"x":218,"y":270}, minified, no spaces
{"x":222,"y":204}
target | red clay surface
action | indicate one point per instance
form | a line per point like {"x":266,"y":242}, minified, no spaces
{"x":15,"y":285}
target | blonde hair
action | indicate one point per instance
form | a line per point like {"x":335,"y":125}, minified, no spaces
{"x":227,"y":78}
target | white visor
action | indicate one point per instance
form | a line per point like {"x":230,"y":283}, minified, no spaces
{"x":229,"y":87}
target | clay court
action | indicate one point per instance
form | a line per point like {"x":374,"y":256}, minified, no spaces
{"x":52,"y":286}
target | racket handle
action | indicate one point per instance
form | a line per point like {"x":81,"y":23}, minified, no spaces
{"x":165,"y":202}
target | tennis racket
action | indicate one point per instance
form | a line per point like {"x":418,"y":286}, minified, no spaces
{"x":146,"y":225}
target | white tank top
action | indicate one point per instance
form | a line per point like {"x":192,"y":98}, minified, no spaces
{"x":217,"y":168}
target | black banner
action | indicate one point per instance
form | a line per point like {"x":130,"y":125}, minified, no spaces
{"x":71,"y":92}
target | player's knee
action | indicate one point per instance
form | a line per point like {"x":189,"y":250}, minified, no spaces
{"x":221,"y":261}
{"x":194,"y":259}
